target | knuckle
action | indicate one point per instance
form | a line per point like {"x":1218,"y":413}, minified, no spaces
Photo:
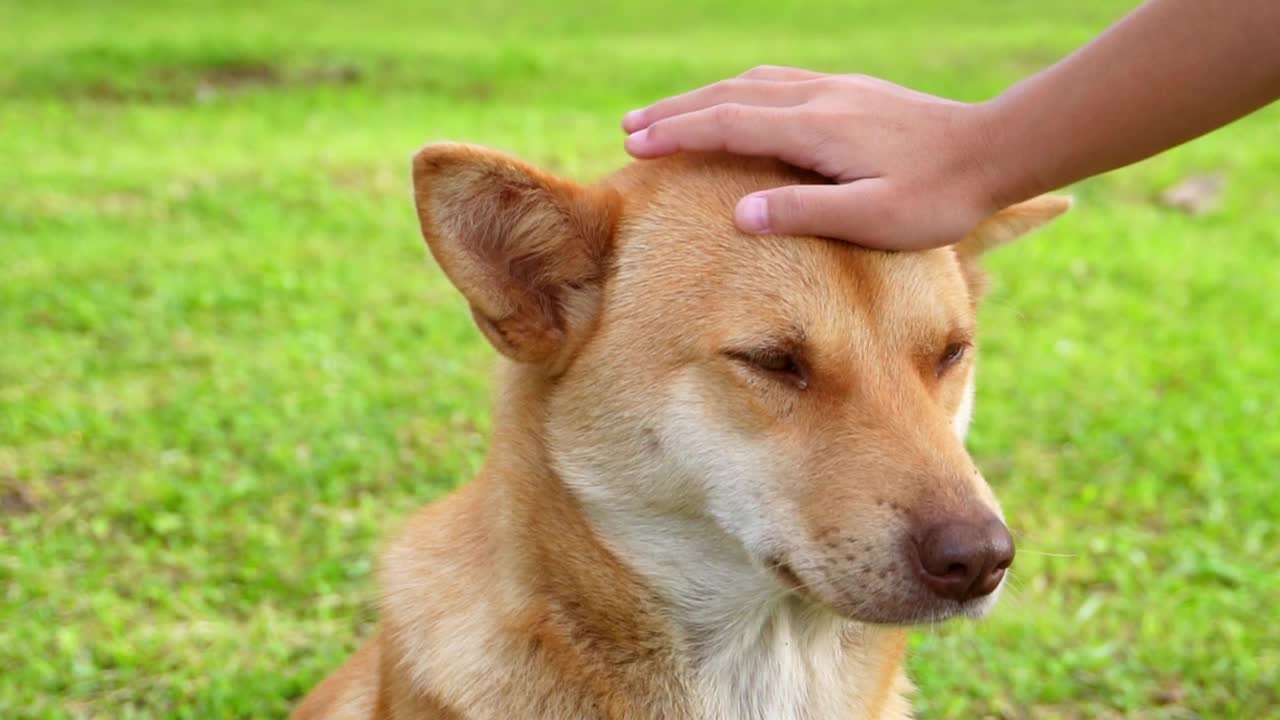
{"x":827,"y":84}
{"x":726,"y":115}
{"x":726,"y":88}
{"x":720,"y":86}
{"x":759,"y":70}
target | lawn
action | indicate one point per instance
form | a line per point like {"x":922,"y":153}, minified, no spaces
{"x":227,"y":369}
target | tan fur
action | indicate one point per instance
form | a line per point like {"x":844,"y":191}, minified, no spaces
{"x":662,"y":530}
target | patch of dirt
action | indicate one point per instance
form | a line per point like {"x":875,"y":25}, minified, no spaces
{"x":105,"y":93}
{"x":241,"y":74}
{"x":234,"y":78}
{"x":205,"y":84}
{"x":479,"y":90}
{"x":1171,"y":693}
{"x":335,"y":74}
{"x":16,"y":500}
{"x":21,"y":498}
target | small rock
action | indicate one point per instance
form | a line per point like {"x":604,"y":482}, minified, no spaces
{"x":1195,"y":195}
{"x":1171,"y":694}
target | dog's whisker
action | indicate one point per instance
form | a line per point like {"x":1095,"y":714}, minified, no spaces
{"x":1048,"y":554}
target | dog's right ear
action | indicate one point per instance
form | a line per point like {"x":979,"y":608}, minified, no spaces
{"x":528,"y":250}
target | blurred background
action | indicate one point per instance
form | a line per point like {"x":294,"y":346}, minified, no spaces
{"x":228,"y":370}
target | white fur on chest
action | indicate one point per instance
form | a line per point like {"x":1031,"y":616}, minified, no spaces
{"x":779,"y":661}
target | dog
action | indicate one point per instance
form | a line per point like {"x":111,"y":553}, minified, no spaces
{"x":726,"y":471}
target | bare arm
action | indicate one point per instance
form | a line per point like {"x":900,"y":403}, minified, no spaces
{"x":920,"y":171}
{"x":1171,"y":71}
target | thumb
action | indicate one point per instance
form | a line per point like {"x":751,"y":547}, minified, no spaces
{"x":843,"y":212}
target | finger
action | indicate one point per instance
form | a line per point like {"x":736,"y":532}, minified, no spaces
{"x":736,"y":90}
{"x":781,"y":73}
{"x":854,"y":212}
{"x":739,"y":129}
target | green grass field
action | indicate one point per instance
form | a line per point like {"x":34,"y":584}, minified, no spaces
{"x":227,"y":369}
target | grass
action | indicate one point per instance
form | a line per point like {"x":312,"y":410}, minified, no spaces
{"x":227,"y":368}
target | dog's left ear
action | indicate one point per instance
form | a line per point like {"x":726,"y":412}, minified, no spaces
{"x":528,"y":250}
{"x":1002,"y":228}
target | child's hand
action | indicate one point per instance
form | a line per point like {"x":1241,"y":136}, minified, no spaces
{"x":910,"y":165}
{"x":918,"y":171}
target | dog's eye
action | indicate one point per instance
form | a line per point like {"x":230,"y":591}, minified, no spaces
{"x":951,"y":355}
{"x":777,"y":364}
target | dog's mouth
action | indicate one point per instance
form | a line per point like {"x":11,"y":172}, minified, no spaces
{"x":893,"y":605}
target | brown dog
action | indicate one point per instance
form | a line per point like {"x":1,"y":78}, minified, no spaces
{"x":724,"y":470}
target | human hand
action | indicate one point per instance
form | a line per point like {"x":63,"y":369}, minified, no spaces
{"x":911,"y":167}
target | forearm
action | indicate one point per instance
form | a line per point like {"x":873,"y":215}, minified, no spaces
{"x":1171,"y":71}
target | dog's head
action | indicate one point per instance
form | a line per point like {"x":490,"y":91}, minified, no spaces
{"x":805,"y":398}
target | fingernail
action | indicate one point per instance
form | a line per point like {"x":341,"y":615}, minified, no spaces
{"x":753,"y":214}
{"x":632,"y":120}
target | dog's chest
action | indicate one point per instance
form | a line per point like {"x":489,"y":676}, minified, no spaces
{"x":793,"y":668}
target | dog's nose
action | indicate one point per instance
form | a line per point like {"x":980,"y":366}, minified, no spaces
{"x":963,"y":560}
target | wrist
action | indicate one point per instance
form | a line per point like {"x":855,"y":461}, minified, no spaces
{"x":1001,"y":174}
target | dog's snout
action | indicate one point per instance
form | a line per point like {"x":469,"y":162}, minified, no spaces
{"x":963,"y":560}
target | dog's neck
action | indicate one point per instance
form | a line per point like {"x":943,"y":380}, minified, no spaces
{"x":742,"y":645}
{"x":756,"y":650}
